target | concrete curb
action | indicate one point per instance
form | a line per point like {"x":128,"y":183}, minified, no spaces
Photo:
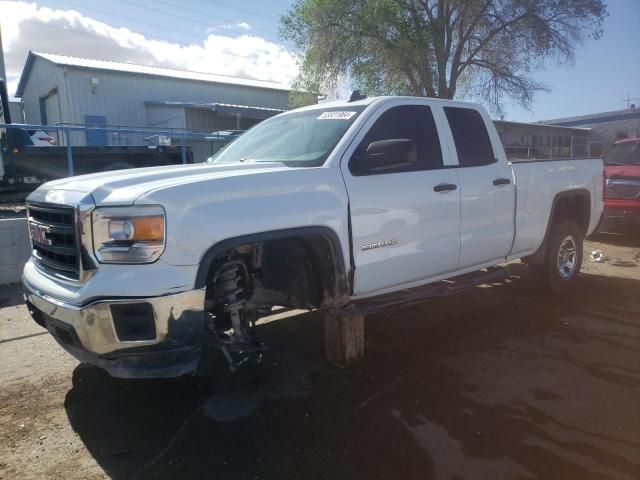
{"x":15,"y":249}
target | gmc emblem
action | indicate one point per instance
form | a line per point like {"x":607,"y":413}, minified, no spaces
{"x":39,"y":233}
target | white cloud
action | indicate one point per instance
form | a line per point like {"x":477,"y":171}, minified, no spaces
{"x":234,"y":26}
{"x":25,"y":26}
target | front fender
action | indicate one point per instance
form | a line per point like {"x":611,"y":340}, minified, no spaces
{"x":203,"y":214}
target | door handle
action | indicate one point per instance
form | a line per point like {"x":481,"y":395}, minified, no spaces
{"x":501,"y":181}
{"x":445,"y":187}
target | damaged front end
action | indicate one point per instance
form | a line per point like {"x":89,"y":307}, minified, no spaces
{"x":130,"y":338}
{"x":246,"y":282}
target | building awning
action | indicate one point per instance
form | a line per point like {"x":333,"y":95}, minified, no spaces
{"x":226,"y":108}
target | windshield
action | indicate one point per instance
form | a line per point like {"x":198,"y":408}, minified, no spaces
{"x":626,"y":153}
{"x":302,"y":139}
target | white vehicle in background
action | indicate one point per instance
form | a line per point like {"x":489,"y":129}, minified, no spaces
{"x":40,"y":138}
{"x":345,"y":207}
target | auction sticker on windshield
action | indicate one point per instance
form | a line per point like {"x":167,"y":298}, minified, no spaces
{"x":336,"y":115}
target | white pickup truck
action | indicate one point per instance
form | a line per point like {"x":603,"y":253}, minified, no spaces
{"x":333,"y":206}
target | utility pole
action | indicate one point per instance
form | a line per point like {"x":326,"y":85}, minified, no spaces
{"x":628,"y":99}
{"x":3,"y":73}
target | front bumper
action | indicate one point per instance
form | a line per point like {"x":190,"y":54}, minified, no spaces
{"x":620,"y":215}
{"x":129,"y":338}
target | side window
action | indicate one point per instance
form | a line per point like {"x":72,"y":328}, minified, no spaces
{"x":470,"y":136}
{"x":410,"y":122}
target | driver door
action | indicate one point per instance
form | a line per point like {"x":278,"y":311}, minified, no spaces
{"x":405,"y":220}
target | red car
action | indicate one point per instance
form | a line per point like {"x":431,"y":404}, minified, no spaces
{"x":622,"y":185}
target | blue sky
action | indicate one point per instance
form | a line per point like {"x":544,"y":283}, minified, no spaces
{"x":185,"y":25}
{"x":604,"y":71}
{"x":240,"y":38}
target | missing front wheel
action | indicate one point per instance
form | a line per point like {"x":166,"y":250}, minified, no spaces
{"x":230,"y":318}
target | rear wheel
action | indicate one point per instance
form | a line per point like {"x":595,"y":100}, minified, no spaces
{"x":563,"y":259}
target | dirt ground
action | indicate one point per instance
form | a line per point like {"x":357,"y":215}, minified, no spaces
{"x":502,"y":382}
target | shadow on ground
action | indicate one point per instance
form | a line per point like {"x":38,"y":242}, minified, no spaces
{"x":11,"y":295}
{"x":499,"y":383}
{"x":622,"y":239}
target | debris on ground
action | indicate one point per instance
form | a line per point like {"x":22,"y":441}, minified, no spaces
{"x":598,"y":256}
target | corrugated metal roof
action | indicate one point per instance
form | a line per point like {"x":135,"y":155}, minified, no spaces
{"x":212,"y":105}
{"x":247,"y":110}
{"x":537,"y":124}
{"x":91,"y":63}
{"x":595,"y":118}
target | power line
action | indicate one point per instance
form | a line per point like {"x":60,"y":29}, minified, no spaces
{"x":200,"y":38}
{"x":232,"y":7}
{"x":201,"y":14}
{"x":80,"y":32}
{"x":142,"y":22}
{"x":629,"y":99}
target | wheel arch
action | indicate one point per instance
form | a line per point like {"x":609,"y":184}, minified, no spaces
{"x":564,"y":204}
{"x":332,"y":274}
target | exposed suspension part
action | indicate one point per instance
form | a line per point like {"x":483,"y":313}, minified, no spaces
{"x":231,"y":321}
{"x":231,"y":282}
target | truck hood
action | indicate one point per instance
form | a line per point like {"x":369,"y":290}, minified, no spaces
{"x":622,"y":171}
{"x":123,"y":187}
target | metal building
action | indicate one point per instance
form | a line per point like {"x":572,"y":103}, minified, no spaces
{"x":538,"y":141}
{"x":15,"y":111}
{"x":617,"y":124}
{"x":62,"y":90}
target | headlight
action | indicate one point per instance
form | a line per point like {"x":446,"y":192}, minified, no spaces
{"x":128,"y":234}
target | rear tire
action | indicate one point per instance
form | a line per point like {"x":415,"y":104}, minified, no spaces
{"x":563,"y":259}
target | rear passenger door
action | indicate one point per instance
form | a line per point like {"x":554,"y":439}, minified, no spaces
{"x":405,"y":220}
{"x":487,"y":190}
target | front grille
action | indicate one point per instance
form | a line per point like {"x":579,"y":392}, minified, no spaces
{"x":621,"y":188}
{"x":53,"y":235}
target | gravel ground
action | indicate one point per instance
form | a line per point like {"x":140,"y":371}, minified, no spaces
{"x":502,"y":382}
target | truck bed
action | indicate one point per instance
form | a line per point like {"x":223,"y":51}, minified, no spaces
{"x":538,"y":182}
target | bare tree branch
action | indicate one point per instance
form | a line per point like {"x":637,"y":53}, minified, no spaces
{"x":431,"y":47}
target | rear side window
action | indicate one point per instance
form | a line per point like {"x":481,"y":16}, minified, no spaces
{"x":414,"y":122}
{"x":470,"y":136}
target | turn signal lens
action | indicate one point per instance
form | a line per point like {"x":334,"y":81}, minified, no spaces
{"x":148,"y":229}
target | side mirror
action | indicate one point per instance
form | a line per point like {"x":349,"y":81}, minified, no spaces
{"x":388,"y":154}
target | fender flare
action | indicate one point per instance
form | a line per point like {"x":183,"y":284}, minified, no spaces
{"x":342,"y":283}
{"x":538,"y":256}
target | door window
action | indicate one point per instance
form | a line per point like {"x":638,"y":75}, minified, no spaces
{"x":470,"y":136}
{"x":412,"y":122}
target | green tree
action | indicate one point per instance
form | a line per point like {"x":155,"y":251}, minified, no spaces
{"x":438,"y":48}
